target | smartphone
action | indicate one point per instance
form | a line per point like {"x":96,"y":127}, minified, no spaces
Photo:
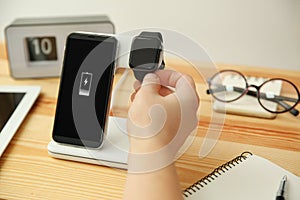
{"x":87,"y":77}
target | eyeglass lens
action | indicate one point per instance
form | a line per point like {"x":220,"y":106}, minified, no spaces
{"x":280,"y":101}
{"x":228,"y":86}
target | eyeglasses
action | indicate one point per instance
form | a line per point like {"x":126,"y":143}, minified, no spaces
{"x":275,"y":95}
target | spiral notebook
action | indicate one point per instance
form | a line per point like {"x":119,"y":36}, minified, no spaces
{"x":246,"y":177}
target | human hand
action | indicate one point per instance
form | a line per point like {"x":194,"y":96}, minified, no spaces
{"x":162,"y":114}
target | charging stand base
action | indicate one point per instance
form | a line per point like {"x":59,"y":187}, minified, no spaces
{"x":113,"y":153}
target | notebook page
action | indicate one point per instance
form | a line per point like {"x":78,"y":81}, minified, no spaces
{"x":255,"y":178}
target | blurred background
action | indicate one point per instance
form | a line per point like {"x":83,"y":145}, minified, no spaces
{"x":244,"y":32}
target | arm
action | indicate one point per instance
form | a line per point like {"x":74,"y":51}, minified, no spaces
{"x":160,"y":184}
{"x":160,"y":119}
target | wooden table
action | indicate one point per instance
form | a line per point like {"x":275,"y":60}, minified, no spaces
{"x":28,"y":172}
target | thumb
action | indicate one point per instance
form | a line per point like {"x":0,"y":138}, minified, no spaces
{"x":151,"y":84}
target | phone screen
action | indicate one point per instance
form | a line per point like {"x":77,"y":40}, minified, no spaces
{"x":86,"y":79}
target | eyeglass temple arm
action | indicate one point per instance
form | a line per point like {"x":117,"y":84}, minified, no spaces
{"x":222,"y":88}
{"x":293,"y":111}
{"x":277,"y":99}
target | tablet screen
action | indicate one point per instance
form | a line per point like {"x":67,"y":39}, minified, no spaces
{"x":8,"y":103}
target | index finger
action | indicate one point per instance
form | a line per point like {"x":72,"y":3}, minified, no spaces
{"x":171,"y":78}
{"x":184,"y":84}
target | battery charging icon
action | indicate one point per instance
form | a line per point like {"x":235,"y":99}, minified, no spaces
{"x":85,"y":83}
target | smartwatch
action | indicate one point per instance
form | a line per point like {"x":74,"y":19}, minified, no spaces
{"x":146,"y":54}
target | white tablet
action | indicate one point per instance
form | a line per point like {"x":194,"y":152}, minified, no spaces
{"x":15,"y":103}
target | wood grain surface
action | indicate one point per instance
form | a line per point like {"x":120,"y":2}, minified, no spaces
{"x":28,"y":172}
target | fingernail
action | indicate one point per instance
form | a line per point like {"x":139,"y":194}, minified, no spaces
{"x":150,"y":76}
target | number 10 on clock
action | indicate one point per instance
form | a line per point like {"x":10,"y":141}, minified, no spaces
{"x":41,"y":48}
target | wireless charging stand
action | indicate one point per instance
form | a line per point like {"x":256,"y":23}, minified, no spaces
{"x":113,"y":153}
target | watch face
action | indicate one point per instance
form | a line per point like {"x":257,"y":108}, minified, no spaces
{"x":145,"y":53}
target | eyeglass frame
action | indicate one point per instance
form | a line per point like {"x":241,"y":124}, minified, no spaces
{"x":257,"y":93}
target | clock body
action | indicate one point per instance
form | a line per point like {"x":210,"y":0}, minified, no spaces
{"x":35,"y":46}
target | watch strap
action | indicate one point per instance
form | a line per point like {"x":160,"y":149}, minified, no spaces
{"x":152,"y":34}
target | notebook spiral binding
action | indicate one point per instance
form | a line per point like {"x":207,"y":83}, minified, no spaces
{"x":216,"y":173}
